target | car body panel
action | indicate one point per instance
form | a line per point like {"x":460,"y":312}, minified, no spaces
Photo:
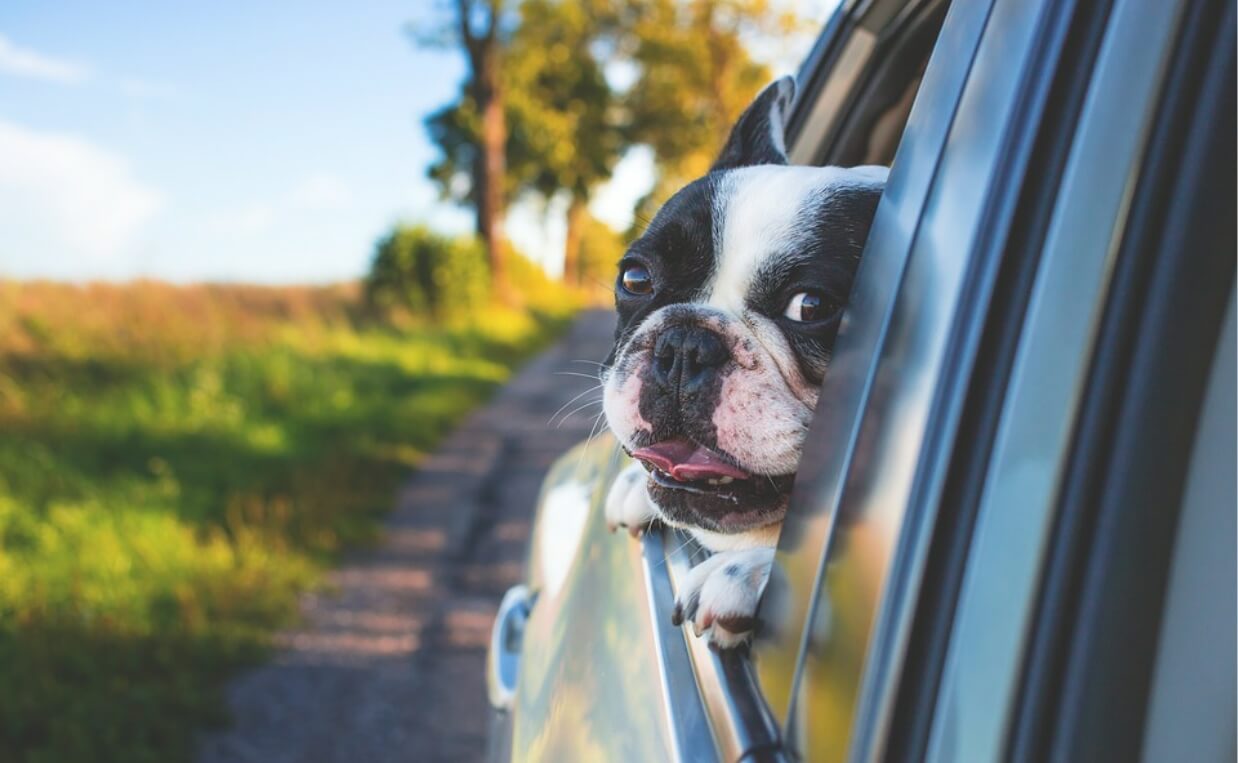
{"x":592,"y":643}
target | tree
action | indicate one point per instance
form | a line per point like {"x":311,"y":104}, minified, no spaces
{"x":696,"y":76}
{"x":473,"y":132}
{"x":562,"y":131}
{"x":566,"y":133}
{"x":565,"y":126}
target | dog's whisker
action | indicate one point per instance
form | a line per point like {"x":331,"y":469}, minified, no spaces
{"x":600,"y":418}
{"x":569,"y":402}
{"x":594,"y":377}
{"x":602,"y":368}
{"x":667,"y":556}
{"x":578,"y":410}
{"x":563,"y":419}
{"x":585,"y":448}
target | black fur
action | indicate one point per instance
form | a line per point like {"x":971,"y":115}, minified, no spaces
{"x":752,"y":139}
{"x":678,"y":250}
{"x":822,"y":259}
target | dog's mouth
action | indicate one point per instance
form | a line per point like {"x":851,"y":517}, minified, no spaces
{"x":681,"y":464}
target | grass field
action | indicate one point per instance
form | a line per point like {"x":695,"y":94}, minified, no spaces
{"x":176,"y":464}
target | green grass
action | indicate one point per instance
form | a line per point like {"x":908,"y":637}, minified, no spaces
{"x":176,"y":465}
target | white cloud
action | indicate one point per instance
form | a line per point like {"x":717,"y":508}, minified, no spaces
{"x":67,"y":206}
{"x":27,"y":63}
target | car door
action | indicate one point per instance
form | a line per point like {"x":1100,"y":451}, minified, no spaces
{"x":938,"y":476}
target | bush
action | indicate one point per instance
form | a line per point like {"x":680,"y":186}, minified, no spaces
{"x":418,"y":273}
{"x":425,"y":273}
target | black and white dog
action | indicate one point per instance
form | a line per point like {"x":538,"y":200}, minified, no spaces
{"x":728,"y":307}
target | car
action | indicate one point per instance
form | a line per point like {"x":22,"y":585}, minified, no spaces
{"x":1013,"y":531}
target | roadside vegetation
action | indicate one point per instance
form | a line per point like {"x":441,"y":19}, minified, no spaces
{"x":178,"y":463}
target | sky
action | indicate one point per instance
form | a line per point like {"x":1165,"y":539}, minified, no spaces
{"x":230,"y":141}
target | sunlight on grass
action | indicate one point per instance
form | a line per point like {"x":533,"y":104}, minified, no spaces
{"x":176,"y":464}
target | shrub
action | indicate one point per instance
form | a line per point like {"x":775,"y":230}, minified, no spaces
{"x":425,"y":273}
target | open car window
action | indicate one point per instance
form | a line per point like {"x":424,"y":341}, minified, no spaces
{"x":855,"y":97}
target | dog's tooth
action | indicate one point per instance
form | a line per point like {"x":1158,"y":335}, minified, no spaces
{"x":714,"y":481}
{"x":725,"y":480}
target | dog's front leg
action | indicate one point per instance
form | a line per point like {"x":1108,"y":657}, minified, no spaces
{"x":628,"y":504}
{"x":719,"y":596}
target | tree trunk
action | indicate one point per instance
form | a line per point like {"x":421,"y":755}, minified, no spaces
{"x":490,"y":201}
{"x":577,"y":216}
{"x":489,"y":170}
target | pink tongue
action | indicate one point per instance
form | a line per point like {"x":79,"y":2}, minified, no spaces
{"x":685,"y":460}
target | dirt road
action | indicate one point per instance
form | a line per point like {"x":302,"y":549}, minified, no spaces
{"x":388,"y":665}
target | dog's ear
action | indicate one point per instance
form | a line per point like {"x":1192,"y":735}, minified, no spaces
{"x":759,"y":137}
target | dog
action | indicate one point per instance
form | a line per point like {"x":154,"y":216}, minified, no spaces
{"x":728,"y":306}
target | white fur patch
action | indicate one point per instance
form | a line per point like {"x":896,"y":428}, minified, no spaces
{"x":621,"y":402}
{"x":756,"y":215}
{"x":627,"y":503}
{"x":725,"y":587}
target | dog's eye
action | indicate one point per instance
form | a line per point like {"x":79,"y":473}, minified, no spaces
{"x":805,"y":306}
{"x":635,"y":279}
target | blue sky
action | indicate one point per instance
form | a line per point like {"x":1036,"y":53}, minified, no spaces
{"x":227,"y":141}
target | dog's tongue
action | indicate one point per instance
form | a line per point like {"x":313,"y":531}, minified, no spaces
{"x":685,"y":460}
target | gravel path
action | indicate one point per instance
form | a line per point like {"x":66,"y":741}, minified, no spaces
{"x":388,"y":665}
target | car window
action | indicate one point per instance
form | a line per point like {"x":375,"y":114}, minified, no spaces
{"x":853,"y":104}
{"x":856,"y":114}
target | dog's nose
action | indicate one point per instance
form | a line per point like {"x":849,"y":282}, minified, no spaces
{"x":686,"y":358}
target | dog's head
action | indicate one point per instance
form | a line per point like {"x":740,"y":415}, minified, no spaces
{"x":728,"y":307}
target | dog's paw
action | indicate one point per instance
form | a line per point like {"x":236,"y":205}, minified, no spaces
{"x":719,"y":596}
{"x":628,"y":504}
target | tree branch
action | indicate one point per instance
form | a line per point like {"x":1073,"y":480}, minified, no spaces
{"x":496,"y":9}
{"x":468,"y":36}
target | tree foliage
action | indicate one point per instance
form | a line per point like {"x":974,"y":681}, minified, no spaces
{"x":696,"y":77}
{"x":565,"y":132}
{"x":568,"y":123}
